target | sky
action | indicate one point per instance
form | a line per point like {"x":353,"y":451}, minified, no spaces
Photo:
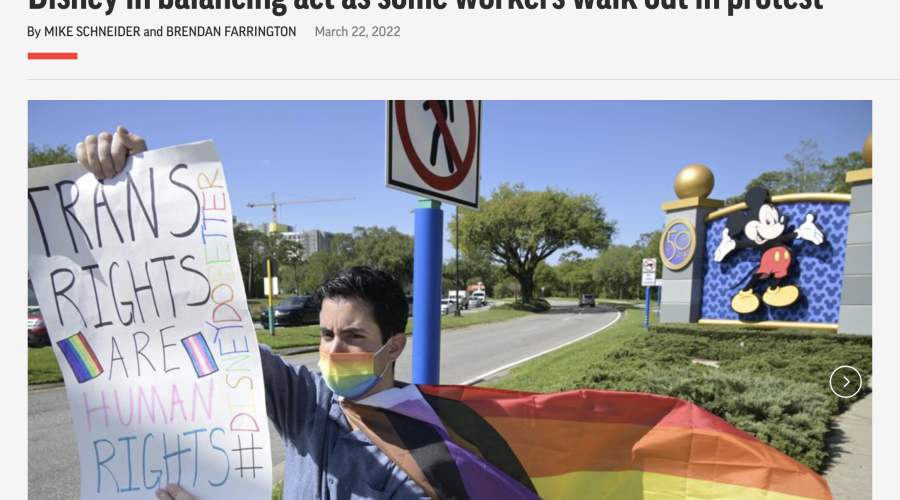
{"x":627,"y":153}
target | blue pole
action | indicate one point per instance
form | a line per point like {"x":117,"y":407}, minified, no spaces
{"x":658,"y":300}
{"x":427,"y":260}
{"x":647,"y":310}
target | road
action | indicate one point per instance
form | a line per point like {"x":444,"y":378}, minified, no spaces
{"x":52,"y":457}
{"x":473,"y":310}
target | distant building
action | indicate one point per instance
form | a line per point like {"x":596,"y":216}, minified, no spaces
{"x":275,"y":227}
{"x":312,"y":241}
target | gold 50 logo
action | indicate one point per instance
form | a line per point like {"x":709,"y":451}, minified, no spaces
{"x":677,"y":245}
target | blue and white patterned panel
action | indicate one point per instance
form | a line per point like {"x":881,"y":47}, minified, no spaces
{"x":817,"y":270}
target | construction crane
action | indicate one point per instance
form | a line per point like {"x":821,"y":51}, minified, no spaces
{"x":275,"y":204}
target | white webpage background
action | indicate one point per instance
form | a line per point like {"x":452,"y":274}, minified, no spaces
{"x":846,"y":51}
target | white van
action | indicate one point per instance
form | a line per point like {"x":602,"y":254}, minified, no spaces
{"x":478,"y":298}
{"x":463,"y":303}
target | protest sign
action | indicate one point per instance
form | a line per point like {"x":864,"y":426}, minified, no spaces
{"x":139,"y":284}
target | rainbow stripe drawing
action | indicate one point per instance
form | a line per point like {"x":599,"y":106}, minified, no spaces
{"x":80,"y":357}
{"x":474,"y":443}
{"x":201,"y":357}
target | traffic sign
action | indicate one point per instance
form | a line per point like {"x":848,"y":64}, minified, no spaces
{"x":434,"y":150}
{"x":648,"y":266}
{"x":648,"y":279}
{"x":275,"y":290}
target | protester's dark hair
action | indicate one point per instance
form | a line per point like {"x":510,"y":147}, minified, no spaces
{"x":378,"y":289}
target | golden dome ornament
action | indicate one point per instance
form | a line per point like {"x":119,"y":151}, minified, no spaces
{"x":867,"y":151}
{"x":694,"y":181}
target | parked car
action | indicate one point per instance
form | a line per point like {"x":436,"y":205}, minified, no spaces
{"x":448,"y":306}
{"x":37,"y":330}
{"x":293,"y":311}
{"x":475,"y":301}
{"x":586,"y":299}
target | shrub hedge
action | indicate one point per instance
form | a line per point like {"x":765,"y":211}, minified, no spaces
{"x":771,"y":384}
{"x":535,"y":306}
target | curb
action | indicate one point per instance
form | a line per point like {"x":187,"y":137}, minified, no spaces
{"x":293,"y":351}
{"x":44,"y":387}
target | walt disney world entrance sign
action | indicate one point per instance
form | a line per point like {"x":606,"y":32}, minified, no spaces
{"x":797,"y":260}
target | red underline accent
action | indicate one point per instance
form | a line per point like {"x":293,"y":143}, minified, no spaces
{"x":53,"y":55}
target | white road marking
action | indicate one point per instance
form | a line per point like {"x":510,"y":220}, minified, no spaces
{"x":529,"y":358}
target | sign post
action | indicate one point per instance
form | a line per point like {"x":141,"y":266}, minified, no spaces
{"x":271,"y":268}
{"x":648,"y":279}
{"x":658,"y":296}
{"x":427,"y":257}
{"x":433,"y":150}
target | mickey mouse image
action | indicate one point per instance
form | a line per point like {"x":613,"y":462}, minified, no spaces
{"x":764,"y":229}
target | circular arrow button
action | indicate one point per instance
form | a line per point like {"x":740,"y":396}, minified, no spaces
{"x":845,"y":382}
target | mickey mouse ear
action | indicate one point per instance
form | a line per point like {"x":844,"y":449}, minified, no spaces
{"x":756,"y":196}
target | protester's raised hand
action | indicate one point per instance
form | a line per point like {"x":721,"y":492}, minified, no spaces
{"x":104,"y":155}
{"x":173,"y":492}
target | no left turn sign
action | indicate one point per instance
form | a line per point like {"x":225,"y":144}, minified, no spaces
{"x":434,"y":148}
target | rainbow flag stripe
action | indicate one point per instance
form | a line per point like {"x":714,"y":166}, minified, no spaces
{"x":80,"y":357}
{"x":476,"y":444}
{"x":201,"y":356}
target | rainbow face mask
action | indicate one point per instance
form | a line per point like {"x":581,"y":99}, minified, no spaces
{"x":351,"y":374}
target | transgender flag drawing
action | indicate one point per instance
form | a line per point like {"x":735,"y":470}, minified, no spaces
{"x":80,"y":357}
{"x":201,"y":357}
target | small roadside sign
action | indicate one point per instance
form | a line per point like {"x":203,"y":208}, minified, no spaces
{"x":648,"y":265}
{"x":648,"y":279}
{"x":274,"y":286}
{"x":434,"y":150}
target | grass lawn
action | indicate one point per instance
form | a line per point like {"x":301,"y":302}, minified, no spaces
{"x":257,"y":305}
{"x":42,"y":366}
{"x":278,"y":490}
{"x":771,"y":384}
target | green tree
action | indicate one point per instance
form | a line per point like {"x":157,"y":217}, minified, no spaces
{"x":248,"y":242}
{"x":648,"y":243}
{"x":471,"y":268}
{"x":575,"y":273}
{"x":807,"y":172}
{"x":836,"y":171}
{"x":776,"y":182}
{"x":545,"y":277}
{"x":49,"y":155}
{"x":387,"y":249}
{"x":616,"y":272}
{"x":318,"y":268}
{"x":520,"y":229}
{"x":294,"y":259}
